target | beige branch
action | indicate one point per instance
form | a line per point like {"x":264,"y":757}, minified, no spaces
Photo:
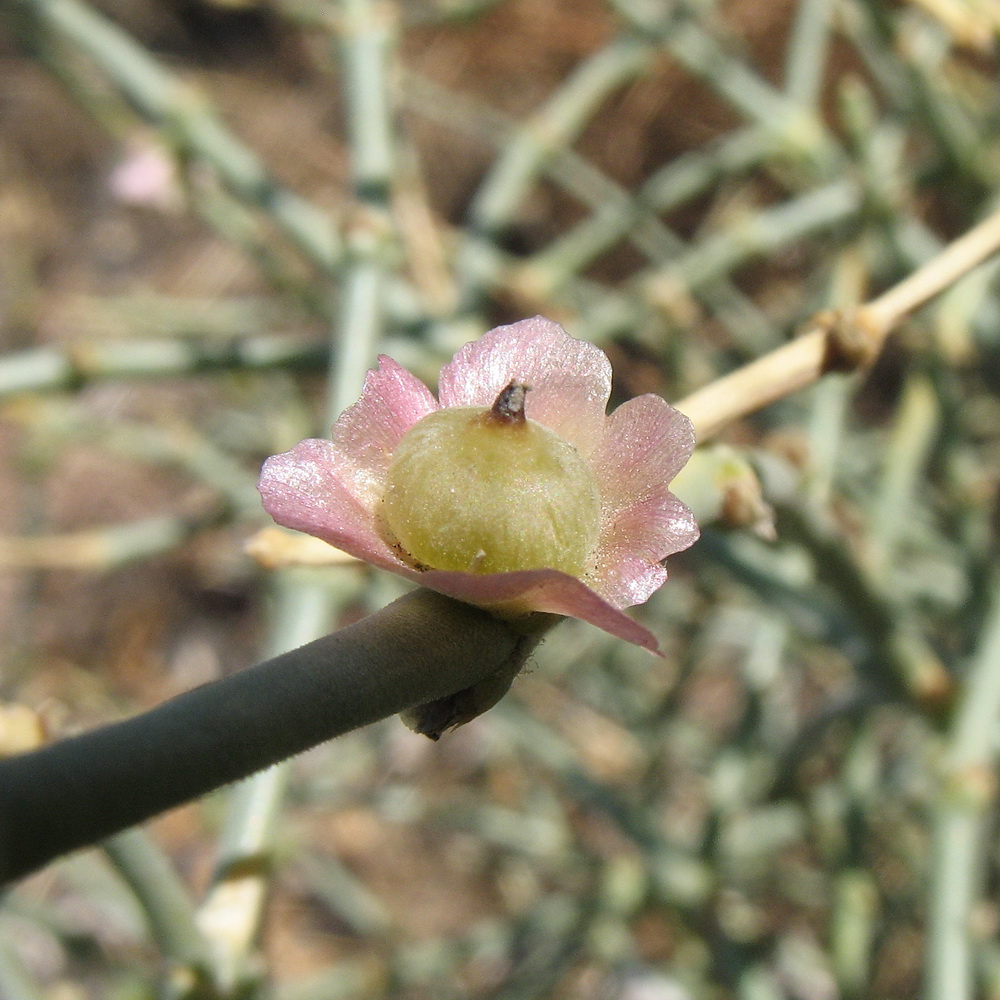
{"x":835,"y":341}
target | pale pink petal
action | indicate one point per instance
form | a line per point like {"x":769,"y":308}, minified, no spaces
{"x":629,"y":569}
{"x":570,"y":379}
{"x":366,"y":434}
{"x":646,"y":443}
{"x":305,"y":489}
{"x":545,"y":590}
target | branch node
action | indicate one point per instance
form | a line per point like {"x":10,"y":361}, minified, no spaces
{"x":852,"y":339}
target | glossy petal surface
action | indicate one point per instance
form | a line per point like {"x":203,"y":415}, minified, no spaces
{"x":366,"y":434}
{"x":570,"y":379}
{"x":306,"y":489}
{"x":544,"y":590}
{"x":646,"y":442}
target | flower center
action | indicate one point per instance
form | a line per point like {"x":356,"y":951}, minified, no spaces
{"x":490,"y":491}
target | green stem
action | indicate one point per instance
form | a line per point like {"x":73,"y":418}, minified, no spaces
{"x":914,"y":432}
{"x":83,"y":789}
{"x":48,"y":368}
{"x":163,"y":898}
{"x":553,"y":128}
{"x":805,"y":60}
{"x":634,"y":216}
{"x":965,"y":800}
{"x":902,"y":660}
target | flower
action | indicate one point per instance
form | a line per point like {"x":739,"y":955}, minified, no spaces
{"x":516,"y":456}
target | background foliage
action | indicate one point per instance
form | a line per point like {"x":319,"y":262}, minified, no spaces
{"x":214,"y":213}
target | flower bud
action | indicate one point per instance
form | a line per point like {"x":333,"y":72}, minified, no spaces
{"x":490,"y":491}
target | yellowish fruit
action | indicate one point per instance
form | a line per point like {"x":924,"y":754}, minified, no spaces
{"x":489,"y":491}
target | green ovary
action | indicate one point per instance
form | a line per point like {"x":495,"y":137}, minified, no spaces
{"x":471,"y":493}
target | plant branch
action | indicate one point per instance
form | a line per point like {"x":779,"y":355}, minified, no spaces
{"x":834,"y":341}
{"x":55,"y":367}
{"x":966,"y":797}
{"x":82,"y":789}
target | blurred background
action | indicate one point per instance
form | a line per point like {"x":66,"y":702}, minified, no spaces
{"x":215,"y":213}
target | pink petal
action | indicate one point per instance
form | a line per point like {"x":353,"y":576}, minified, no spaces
{"x":570,"y":379}
{"x":366,"y":434}
{"x":646,"y":443}
{"x":305,"y":489}
{"x":545,"y":590}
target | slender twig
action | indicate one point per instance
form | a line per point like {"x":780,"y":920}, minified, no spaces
{"x":103,"y":548}
{"x":554,"y":127}
{"x":914,"y":432}
{"x":634,"y":216}
{"x":47,"y":368}
{"x":965,"y":799}
{"x":833,"y":342}
{"x":164,"y":900}
{"x":805,"y":58}
{"x":955,"y":260}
